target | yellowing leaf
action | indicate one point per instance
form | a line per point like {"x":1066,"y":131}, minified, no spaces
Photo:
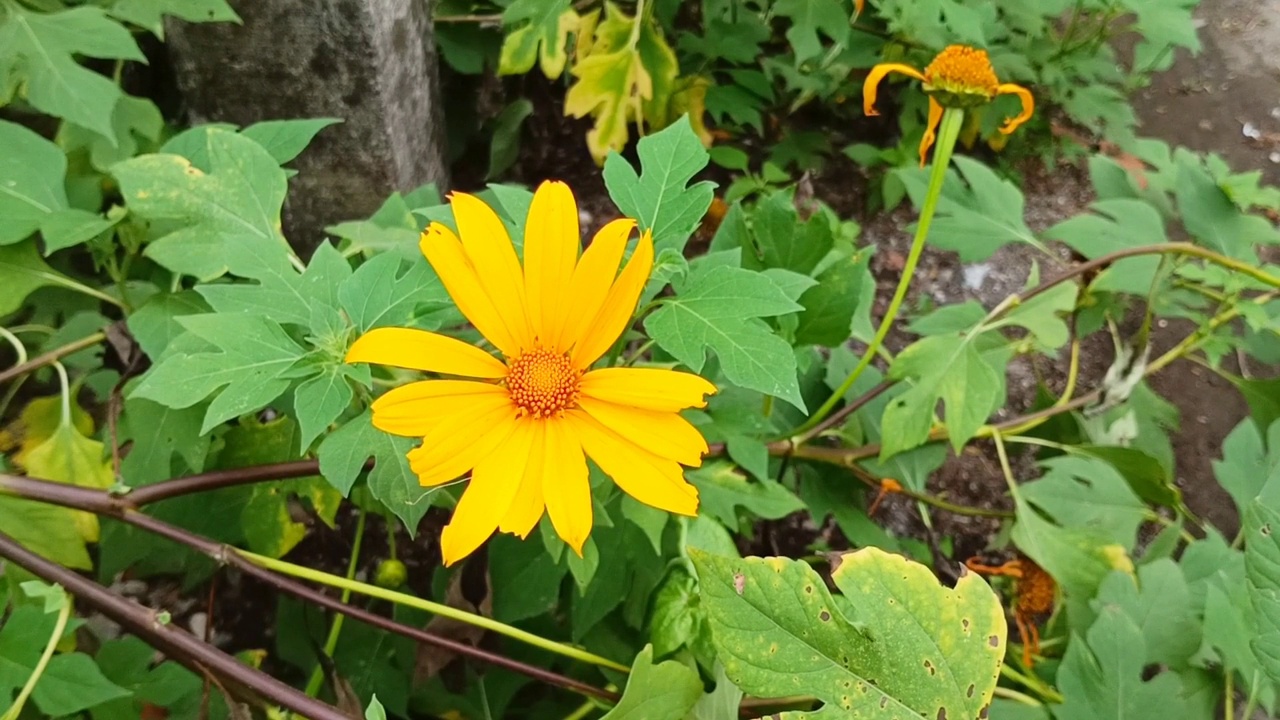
{"x":627,"y":75}
{"x":39,"y":421}
{"x":69,"y":456}
{"x":542,"y":37}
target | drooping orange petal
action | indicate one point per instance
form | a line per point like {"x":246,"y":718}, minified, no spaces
{"x":551,"y":244}
{"x":592,"y":279}
{"x":493,"y":487}
{"x":565,"y":486}
{"x":652,"y":480}
{"x":444,"y":251}
{"x":647,"y":388}
{"x":526,"y":509}
{"x":930,"y":130}
{"x":416,"y":409}
{"x":664,"y":434}
{"x":1028,"y":106}
{"x":874,"y":77}
{"x":456,"y":446}
{"x":422,"y":350}
{"x":619,"y":305}
{"x":488,"y":246}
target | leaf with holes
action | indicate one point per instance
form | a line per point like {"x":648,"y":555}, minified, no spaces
{"x":896,"y":644}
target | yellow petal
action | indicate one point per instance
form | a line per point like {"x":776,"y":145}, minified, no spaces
{"x":930,"y":129}
{"x":551,"y":244}
{"x":456,"y":446}
{"x":565,"y":486}
{"x":489,"y":248}
{"x":665,"y":434}
{"x":644,"y":476}
{"x":493,"y":487}
{"x":873,"y":82}
{"x":422,"y":350}
{"x":647,"y":388}
{"x":1028,"y":106}
{"x":619,"y":305}
{"x":526,"y":509}
{"x":416,"y":409}
{"x":444,"y":252}
{"x":592,"y":279}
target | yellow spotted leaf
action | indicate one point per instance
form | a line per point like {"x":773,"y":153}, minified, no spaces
{"x":67,"y":455}
{"x":896,"y":644}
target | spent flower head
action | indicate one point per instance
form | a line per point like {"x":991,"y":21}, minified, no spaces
{"x":958,"y":77}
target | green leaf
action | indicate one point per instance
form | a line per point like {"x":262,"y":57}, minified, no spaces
{"x":722,"y":490}
{"x":1101,"y":677}
{"x":71,"y":227}
{"x":136,"y":123}
{"x":896,"y":644}
{"x":660,"y":197}
{"x":1262,"y":569}
{"x":719,"y":309}
{"x":285,"y":140}
{"x":387,"y":291}
{"x":32,"y":172}
{"x":1078,"y":559}
{"x":657,"y":691}
{"x":944,"y":367}
{"x":150,"y":14}
{"x":1159,"y":603}
{"x":344,"y":452}
{"x":976,"y":219}
{"x":525,"y":578}
{"x":1162,"y":25}
{"x":505,"y":146}
{"x":1116,"y":225}
{"x":678,"y":619}
{"x":158,"y":433}
{"x":1146,"y":476}
{"x":320,"y":399}
{"x":70,"y":683}
{"x":127,"y":662}
{"x":47,"y":44}
{"x":375,"y":711}
{"x":1246,"y":463}
{"x":808,"y":19}
{"x":778,"y":239}
{"x":1089,"y":495}
{"x":252,"y":362}
{"x":23,"y":271}
{"x":231,"y":213}
{"x":155,"y":324}
{"x":542,"y":34}
{"x":1212,"y":217}
{"x":1042,"y":316}
{"x":831,"y":306}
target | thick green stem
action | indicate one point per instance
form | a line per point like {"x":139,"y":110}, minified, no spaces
{"x":452,"y":613}
{"x":335,"y":628}
{"x":948,"y":132}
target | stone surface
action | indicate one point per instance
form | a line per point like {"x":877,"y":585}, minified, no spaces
{"x":371,"y":63}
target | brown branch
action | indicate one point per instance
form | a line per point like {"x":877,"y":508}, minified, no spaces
{"x":216,"y":479}
{"x":244,"y":681}
{"x":102,"y":503}
{"x":52,"y":356}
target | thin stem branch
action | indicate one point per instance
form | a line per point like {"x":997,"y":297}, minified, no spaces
{"x":103,"y":503}
{"x":242,"y":680}
{"x":216,"y":479}
{"x":52,"y":356}
{"x":335,"y":626}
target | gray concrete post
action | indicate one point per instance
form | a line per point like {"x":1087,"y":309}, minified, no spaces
{"x":370,"y":62}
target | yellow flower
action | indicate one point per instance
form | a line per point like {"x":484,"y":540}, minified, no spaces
{"x":958,"y":77}
{"x":523,"y":425}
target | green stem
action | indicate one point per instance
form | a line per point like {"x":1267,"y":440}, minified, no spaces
{"x":1016,"y":696}
{"x":948,"y":132}
{"x":452,"y":613}
{"x":18,"y":348}
{"x":64,"y":613}
{"x":335,"y":628}
{"x":1032,"y":683}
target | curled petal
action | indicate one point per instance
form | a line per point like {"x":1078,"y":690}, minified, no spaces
{"x":930,"y":130}
{"x":873,"y":81}
{"x":1028,"y":106}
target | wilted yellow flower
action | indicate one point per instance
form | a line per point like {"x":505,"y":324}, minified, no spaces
{"x":959,"y":77}
{"x":525,"y":423}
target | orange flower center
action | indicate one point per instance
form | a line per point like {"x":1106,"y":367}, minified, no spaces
{"x":543,"y":383}
{"x":962,"y":70}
